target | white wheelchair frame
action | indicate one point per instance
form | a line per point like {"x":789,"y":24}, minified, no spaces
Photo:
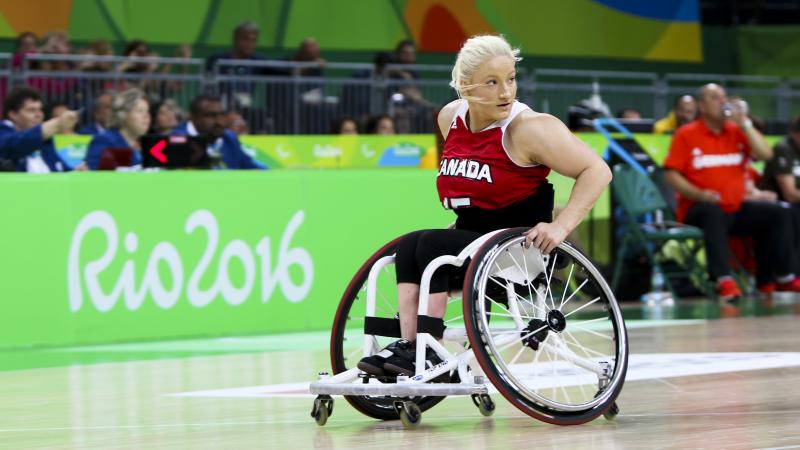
{"x":345,"y":383}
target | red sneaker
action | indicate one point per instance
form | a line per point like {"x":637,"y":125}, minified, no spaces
{"x":728,"y":290}
{"x":791,"y":286}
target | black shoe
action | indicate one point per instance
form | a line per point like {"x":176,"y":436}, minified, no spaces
{"x":404,"y":362}
{"x":373,"y":364}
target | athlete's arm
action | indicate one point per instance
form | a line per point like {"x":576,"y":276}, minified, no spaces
{"x":543,"y":139}
{"x":446,"y":115}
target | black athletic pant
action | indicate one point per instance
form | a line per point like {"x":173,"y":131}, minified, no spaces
{"x":768,"y":223}
{"x":419,"y":248}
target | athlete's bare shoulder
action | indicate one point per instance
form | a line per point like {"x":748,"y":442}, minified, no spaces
{"x":532,"y":132}
{"x":534,"y":123}
{"x":447,"y":114}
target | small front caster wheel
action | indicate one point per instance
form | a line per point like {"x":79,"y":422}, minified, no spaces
{"x":484,"y":403}
{"x":612,"y":412}
{"x":409,"y":413}
{"x":323,"y":408}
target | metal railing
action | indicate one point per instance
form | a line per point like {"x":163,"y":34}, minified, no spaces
{"x":283,"y":97}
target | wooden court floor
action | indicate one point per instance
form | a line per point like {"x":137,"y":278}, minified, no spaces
{"x":697,"y":379}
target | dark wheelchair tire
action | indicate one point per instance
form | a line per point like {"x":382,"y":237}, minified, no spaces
{"x":376,"y":407}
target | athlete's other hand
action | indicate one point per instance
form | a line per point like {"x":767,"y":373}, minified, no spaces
{"x":545,"y":236}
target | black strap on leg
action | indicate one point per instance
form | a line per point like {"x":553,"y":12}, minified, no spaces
{"x":431,"y":325}
{"x":381,"y":326}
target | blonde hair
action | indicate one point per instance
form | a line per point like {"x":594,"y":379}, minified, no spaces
{"x":473,"y":53}
{"x":122,"y":104}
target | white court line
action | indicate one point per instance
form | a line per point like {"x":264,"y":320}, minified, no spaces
{"x":647,"y":366}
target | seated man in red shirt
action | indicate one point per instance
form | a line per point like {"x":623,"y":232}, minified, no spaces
{"x":707,"y":162}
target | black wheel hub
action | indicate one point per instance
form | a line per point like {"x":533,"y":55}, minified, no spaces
{"x":556,"y":320}
{"x":533,"y":340}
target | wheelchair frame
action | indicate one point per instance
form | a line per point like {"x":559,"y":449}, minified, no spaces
{"x":462,"y":362}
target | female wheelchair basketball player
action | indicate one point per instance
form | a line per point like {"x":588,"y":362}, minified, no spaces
{"x":522,"y":285}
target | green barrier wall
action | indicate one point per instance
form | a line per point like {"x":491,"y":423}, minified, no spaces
{"x":98,"y":257}
{"x":102,"y":257}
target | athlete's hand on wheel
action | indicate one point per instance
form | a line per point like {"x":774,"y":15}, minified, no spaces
{"x":545,"y":236}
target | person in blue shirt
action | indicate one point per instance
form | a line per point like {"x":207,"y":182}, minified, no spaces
{"x":101,"y":113}
{"x":26,"y":139}
{"x":207,"y":118}
{"x":130,"y":120}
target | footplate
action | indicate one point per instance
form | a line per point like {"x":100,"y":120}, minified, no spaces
{"x":408,"y":389}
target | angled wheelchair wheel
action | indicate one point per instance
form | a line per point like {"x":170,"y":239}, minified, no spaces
{"x":546,"y":330}
{"x":348,"y":337}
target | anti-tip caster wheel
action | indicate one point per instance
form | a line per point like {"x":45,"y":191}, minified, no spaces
{"x":409,"y":412}
{"x":484,"y":403}
{"x":612,"y":412}
{"x":323,"y":408}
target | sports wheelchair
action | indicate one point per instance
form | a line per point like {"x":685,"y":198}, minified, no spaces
{"x":544,"y":330}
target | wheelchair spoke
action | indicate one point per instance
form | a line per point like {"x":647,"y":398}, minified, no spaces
{"x":572,"y":295}
{"x":519,"y":297}
{"x":587,"y":330}
{"x":585,"y":350}
{"x":581,"y":307}
{"x":504,"y":308}
{"x":525,"y":271}
{"x":489,"y":313}
{"x":517,"y":355}
{"x":549,"y":281}
{"x":584,"y":322}
{"x":528,"y":284}
{"x":564,"y":292}
{"x":523,"y":337}
{"x":389,"y":306}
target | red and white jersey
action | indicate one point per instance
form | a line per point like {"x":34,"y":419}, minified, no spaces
{"x":476,"y":170}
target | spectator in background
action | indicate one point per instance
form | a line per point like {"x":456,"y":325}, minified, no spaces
{"x":101,"y":114}
{"x":100,"y":47}
{"x":706,"y":166}
{"x":26,"y":44}
{"x":629,"y":113}
{"x":239,"y":95}
{"x":782,"y":175}
{"x":207,"y":118}
{"x":236,"y":123}
{"x":56,"y":43}
{"x":56,"y":109}
{"x":308,"y":52}
{"x":93,"y":87}
{"x":50,"y":85}
{"x":345,"y":125}
{"x":381,"y":124}
{"x":164,"y":117}
{"x":358,"y":99}
{"x":405,"y":52}
{"x":782,"y":172}
{"x":26,"y":143}
{"x":683,"y":111}
{"x":130,"y":120}
{"x":244,"y":43}
{"x":409,"y":108}
{"x":155,"y":89}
